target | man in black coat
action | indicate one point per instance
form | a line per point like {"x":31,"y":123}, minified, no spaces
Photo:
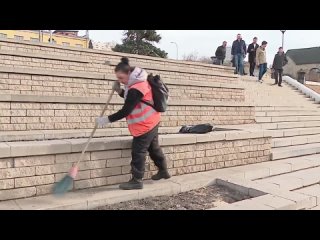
{"x":279,"y":61}
{"x":239,"y":51}
{"x":252,"y":48}
{"x":221,"y":53}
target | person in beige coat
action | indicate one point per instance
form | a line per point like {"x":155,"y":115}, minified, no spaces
{"x":261,"y":60}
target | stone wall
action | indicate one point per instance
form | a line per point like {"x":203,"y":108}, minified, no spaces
{"x":77,"y":114}
{"x":31,"y":168}
{"x":31,"y":55}
{"x":35,"y":84}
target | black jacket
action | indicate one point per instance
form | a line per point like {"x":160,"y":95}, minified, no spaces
{"x":279,"y":61}
{"x":238,"y":47}
{"x":133,"y":98}
{"x":252,"y":52}
{"x":221,"y":52}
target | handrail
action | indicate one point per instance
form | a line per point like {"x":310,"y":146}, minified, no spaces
{"x":302,"y":88}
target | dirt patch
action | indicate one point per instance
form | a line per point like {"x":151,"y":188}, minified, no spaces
{"x":314,"y":88}
{"x":199,"y":199}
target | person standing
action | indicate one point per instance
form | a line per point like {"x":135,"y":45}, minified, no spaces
{"x":261,"y":60}
{"x":252,"y":50}
{"x":239,"y":51}
{"x":221,"y":53}
{"x":143,"y":123}
{"x":279,"y":61}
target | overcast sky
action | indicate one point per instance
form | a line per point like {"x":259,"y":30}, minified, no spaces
{"x":205,"y":42}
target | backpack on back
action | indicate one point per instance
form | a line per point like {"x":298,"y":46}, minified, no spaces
{"x":160,"y":93}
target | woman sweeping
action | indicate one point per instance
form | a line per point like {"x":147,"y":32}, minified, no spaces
{"x":143,"y":122}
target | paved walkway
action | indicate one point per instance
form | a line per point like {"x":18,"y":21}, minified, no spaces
{"x":290,"y":184}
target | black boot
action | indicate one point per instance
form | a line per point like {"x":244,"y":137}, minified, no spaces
{"x":132,"y":184}
{"x":161,"y":174}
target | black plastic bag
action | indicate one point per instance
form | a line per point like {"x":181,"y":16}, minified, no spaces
{"x":198,"y":129}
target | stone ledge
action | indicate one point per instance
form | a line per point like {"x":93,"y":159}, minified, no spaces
{"x":46,"y":147}
{"x":103,"y":52}
{"x":168,"y":81}
{"x":95,"y":100}
{"x":34,"y":135}
{"x":110,"y":77}
{"x":175,"y":69}
{"x":43,"y":56}
{"x":36,"y":71}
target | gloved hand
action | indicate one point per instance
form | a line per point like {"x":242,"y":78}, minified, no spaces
{"x":116,"y":87}
{"x":102,"y":121}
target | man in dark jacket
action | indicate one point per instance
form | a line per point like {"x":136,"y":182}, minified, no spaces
{"x":279,"y":61}
{"x":221,"y":53}
{"x":239,"y":51}
{"x":252,"y":48}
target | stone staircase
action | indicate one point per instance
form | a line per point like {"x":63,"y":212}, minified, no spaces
{"x":292,"y":119}
{"x":51,"y":95}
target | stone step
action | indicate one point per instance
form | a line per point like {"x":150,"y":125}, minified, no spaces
{"x":294,"y":132}
{"x":38,"y":135}
{"x":296,"y":140}
{"x":294,"y":180}
{"x":287,"y":113}
{"x":313,"y":190}
{"x":288,"y":125}
{"x":285,"y":108}
{"x":295,"y":151}
{"x":287,"y":119}
{"x":98,"y":85}
{"x":26,"y":112}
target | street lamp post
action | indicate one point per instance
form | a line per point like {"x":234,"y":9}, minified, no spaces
{"x":177,"y":49}
{"x":87,"y":38}
{"x":50,"y":36}
{"x":283,"y":31}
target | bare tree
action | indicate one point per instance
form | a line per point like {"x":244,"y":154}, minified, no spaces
{"x":193,"y":57}
{"x":190,"y":57}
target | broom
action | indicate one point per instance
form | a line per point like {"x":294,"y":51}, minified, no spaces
{"x":66,"y":183}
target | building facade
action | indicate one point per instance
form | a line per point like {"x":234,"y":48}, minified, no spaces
{"x":59,"y":37}
{"x":303,"y":64}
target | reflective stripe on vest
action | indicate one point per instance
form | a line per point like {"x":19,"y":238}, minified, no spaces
{"x":140,"y":110}
{"x":142,"y":118}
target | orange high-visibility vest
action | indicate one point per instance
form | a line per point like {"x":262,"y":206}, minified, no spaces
{"x":143,"y":118}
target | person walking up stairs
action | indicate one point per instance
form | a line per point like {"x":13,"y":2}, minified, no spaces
{"x":279,"y":61}
{"x":261,"y":59}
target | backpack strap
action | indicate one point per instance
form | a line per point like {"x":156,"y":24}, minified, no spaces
{"x":149,"y":104}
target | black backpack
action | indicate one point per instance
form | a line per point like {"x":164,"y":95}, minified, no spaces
{"x":160,"y":93}
{"x":198,"y":129}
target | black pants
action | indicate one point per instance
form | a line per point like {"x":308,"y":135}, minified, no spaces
{"x":220,"y":61}
{"x":278,"y":76}
{"x":252,"y":66}
{"x":149,"y":142}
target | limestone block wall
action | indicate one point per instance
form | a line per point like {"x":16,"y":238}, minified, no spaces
{"x":22,"y":112}
{"x":20,"y":81}
{"x":58,"y":58}
{"x":31,"y":168}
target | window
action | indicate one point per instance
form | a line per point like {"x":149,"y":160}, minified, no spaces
{"x":65,"y":44}
{"x":2,"y":35}
{"x":34,"y":39}
{"x":16,"y":37}
{"x":79,"y":45}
